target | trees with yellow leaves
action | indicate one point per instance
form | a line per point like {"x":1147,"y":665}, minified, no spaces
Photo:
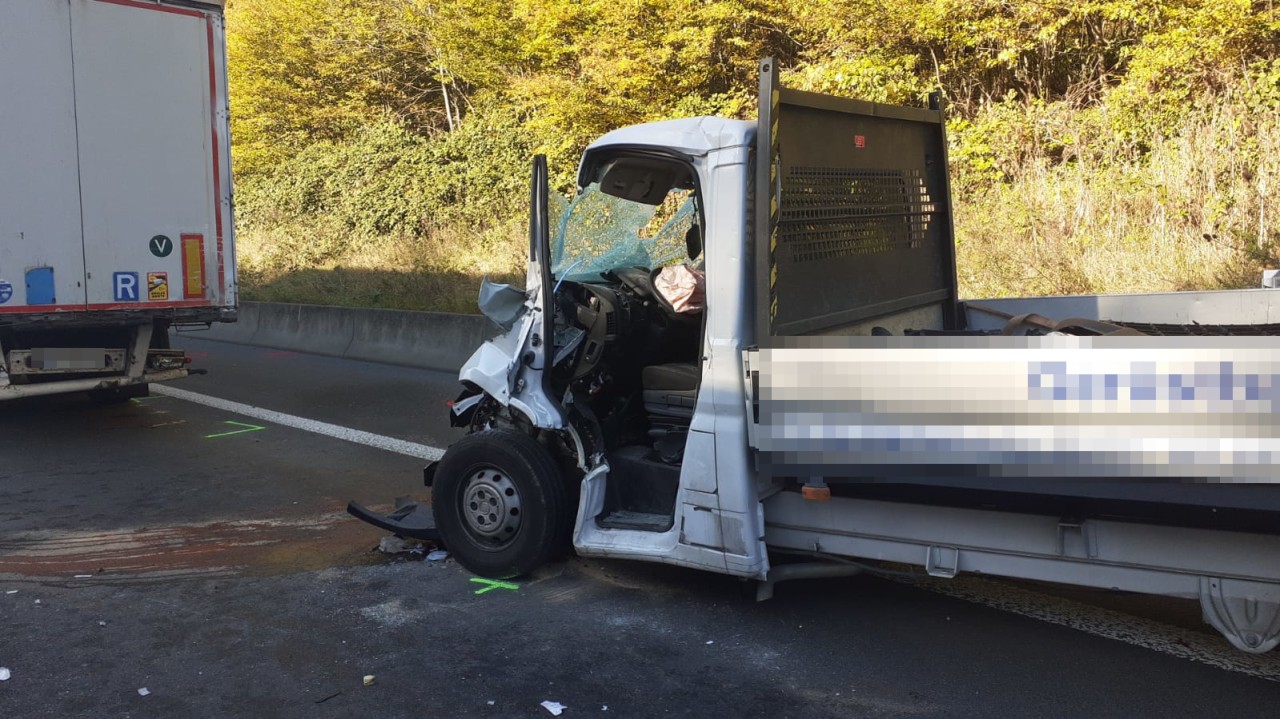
{"x":403,"y":117}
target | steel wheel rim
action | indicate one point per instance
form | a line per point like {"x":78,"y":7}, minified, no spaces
{"x":490,"y":507}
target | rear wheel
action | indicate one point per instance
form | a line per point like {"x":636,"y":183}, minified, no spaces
{"x":500,"y":503}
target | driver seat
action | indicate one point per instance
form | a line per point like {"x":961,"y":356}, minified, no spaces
{"x":670,"y":391}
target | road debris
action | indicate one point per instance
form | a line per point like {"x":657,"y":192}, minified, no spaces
{"x":5,"y":674}
{"x":491,"y":702}
{"x":399,"y":545}
{"x":12,"y":591}
{"x":554,"y":707}
{"x":438,"y":555}
{"x":325,"y":699}
{"x":84,"y":576}
{"x":368,"y":680}
{"x":143,"y":692}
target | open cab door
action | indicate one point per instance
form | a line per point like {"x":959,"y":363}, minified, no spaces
{"x":511,"y":368}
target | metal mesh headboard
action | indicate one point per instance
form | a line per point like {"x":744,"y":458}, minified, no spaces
{"x":857,"y":222}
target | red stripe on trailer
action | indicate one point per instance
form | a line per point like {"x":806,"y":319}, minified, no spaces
{"x":42,"y":309}
{"x":161,"y":8}
{"x":217,"y":169}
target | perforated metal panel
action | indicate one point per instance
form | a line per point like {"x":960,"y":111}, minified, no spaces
{"x":857,"y":220}
{"x":834,"y":213}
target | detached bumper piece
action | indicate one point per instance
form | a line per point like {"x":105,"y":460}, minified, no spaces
{"x":409,"y":520}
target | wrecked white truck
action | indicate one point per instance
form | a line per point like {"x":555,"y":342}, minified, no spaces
{"x":833,"y":399}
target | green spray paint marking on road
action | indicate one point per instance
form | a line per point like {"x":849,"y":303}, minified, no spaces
{"x":247,"y":428}
{"x":493,"y":584}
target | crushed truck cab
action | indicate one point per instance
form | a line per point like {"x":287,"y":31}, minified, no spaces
{"x":742,"y":342}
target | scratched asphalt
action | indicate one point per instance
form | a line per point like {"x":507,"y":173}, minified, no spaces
{"x":219,"y":573}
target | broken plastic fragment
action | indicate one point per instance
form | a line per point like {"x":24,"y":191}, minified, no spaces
{"x":710,"y":642}
{"x":143,"y":692}
{"x":554,"y":707}
{"x":12,"y":591}
{"x":490,"y":702}
{"x":397,"y":545}
{"x":368,"y":680}
{"x":438,"y":555}
{"x":5,"y":674}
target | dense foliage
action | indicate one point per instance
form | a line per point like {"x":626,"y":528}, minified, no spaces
{"x":1102,"y":144}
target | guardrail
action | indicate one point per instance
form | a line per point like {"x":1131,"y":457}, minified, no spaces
{"x":431,"y":340}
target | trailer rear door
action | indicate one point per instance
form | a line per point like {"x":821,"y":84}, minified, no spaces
{"x":41,"y":257}
{"x":146,"y":81}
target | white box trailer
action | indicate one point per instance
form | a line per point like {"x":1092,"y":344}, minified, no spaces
{"x":115,"y":190}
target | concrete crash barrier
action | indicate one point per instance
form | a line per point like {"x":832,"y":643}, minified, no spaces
{"x":430,"y":340}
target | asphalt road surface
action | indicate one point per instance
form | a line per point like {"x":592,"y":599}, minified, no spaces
{"x":202,"y":554}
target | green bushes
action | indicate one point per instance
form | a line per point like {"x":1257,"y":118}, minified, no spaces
{"x":1196,"y":211}
{"x":390,"y":199}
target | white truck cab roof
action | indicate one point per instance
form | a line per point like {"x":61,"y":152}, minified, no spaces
{"x":694,"y":136}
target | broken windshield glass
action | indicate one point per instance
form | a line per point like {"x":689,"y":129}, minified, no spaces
{"x":600,"y":232}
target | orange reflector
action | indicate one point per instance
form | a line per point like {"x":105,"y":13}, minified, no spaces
{"x":816,"y":492}
{"x":193,"y":266}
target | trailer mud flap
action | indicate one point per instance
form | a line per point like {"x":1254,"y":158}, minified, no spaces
{"x":412,"y":520}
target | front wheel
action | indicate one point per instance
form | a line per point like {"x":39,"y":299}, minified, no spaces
{"x":500,"y":503}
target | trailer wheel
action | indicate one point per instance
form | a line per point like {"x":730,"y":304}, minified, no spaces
{"x":500,"y":503}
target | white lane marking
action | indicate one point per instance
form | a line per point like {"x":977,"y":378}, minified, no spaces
{"x":369,"y":439}
{"x":1202,"y":647}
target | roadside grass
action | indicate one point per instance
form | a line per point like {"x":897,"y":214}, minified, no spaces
{"x":1196,"y":212}
{"x":437,"y":273}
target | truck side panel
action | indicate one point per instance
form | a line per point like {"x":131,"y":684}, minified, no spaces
{"x":1164,"y":429}
{"x":41,"y":258}
{"x":146,"y":81}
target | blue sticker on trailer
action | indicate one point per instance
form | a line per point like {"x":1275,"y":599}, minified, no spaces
{"x":126,"y":286}
{"x":41,"y":289}
{"x":6,"y":292}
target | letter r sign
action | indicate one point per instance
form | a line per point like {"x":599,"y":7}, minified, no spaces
{"x":126,"y":286}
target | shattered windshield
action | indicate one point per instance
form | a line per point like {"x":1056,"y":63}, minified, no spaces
{"x":599,"y":232}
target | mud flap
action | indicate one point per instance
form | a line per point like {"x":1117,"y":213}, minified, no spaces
{"x":412,"y":520}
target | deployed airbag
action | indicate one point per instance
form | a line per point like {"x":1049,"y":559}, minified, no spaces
{"x":683,"y":288}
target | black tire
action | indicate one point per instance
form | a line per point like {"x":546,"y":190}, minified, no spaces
{"x":116,"y":395}
{"x":500,"y":503}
